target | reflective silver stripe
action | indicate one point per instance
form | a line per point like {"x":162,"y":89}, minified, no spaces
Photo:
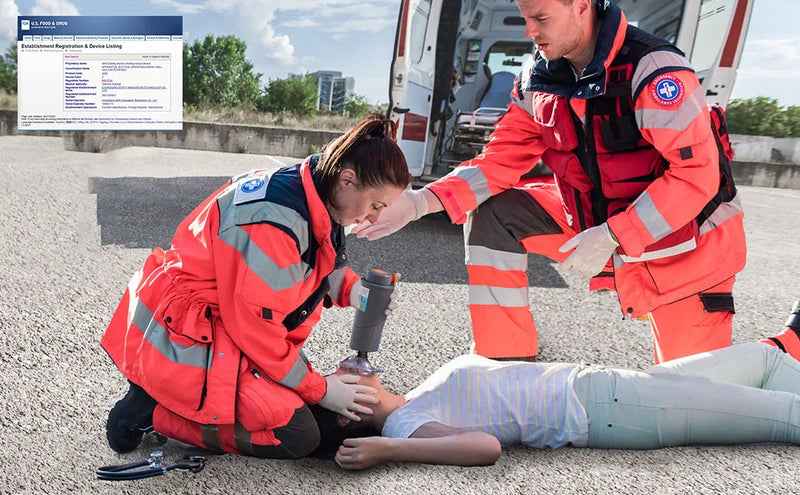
{"x":500,"y":296}
{"x":526,"y":103}
{"x":676,"y":119}
{"x":296,"y":374}
{"x":242,"y":439}
{"x":210,"y":437}
{"x":654,"y":61}
{"x":502,"y":260}
{"x":723,"y":212}
{"x":477,"y":182}
{"x":261,"y":264}
{"x":615,"y":258}
{"x":651,"y":217}
{"x":231,"y":215}
{"x":336,"y":279}
{"x":683,"y":247}
{"x":194,"y":355}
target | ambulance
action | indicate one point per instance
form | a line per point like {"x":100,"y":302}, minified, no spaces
{"x":455,"y":62}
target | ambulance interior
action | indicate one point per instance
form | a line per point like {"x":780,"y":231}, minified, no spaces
{"x":481,"y":47}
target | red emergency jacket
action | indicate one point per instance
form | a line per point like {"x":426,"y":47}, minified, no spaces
{"x":241,"y":286}
{"x":629,"y":143}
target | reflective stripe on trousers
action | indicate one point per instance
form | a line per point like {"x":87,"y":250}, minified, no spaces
{"x":499,"y":235}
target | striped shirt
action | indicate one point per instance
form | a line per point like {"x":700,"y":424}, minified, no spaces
{"x":530,"y":404}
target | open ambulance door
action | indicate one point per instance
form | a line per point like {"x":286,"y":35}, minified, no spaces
{"x":710,"y":32}
{"x":413,"y":73}
{"x":718,"y":44}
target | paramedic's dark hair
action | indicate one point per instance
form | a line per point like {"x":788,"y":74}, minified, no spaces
{"x":332,"y":434}
{"x":370,"y":150}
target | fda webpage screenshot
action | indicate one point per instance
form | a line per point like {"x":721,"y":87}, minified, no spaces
{"x":100,"y":73}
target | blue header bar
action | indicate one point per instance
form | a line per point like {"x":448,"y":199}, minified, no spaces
{"x":30,"y":25}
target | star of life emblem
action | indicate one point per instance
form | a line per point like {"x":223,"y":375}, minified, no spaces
{"x":667,"y":90}
{"x":252,"y":185}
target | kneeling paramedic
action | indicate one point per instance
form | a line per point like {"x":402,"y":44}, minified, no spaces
{"x":210,"y":332}
{"x":643,"y":195}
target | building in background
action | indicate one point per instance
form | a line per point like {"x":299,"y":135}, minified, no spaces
{"x":332,"y":89}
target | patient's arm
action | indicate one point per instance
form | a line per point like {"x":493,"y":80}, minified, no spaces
{"x":432,"y":443}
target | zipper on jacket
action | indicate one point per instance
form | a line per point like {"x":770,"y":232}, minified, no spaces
{"x":580,"y":131}
{"x":208,"y":368}
{"x":598,"y":201}
{"x":579,"y":207}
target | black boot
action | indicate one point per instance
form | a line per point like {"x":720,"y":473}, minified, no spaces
{"x":129,"y":419}
{"x":794,"y":319}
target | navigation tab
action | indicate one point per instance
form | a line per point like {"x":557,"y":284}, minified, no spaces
{"x":90,"y":37}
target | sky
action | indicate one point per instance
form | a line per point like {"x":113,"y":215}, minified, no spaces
{"x":357,"y":37}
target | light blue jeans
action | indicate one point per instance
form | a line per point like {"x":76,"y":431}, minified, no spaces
{"x":746,"y":393}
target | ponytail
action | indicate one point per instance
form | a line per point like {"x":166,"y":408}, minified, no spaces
{"x":370,"y":150}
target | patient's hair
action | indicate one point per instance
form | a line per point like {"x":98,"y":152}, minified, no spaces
{"x":332,"y":434}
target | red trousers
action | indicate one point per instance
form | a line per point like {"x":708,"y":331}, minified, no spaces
{"x":271,"y":421}
{"x":531,"y":219}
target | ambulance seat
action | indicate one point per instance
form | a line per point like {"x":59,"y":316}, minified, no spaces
{"x":471,"y":129}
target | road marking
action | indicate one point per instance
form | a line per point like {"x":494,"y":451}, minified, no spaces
{"x":276,"y":160}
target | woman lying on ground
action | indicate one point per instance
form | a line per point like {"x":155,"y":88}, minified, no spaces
{"x":472,"y":406}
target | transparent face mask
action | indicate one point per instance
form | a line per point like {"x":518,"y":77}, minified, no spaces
{"x":358,"y":365}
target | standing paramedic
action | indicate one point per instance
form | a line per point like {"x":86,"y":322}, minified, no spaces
{"x":210,"y":332}
{"x":643,"y":200}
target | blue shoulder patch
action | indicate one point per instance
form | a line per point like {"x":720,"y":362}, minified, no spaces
{"x":252,"y":187}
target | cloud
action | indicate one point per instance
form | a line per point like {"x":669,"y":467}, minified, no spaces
{"x":769,"y":68}
{"x":180,"y":7}
{"x":252,"y":19}
{"x":300,"y":23}
{"x":768,"y":53}
{"x":254,"y":22}
{"x":54,"y":7}
{"x":365,"y":25}
{"x":8,"y":22}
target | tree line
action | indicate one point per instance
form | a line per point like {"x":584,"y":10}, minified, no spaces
{"x":217,"y":75}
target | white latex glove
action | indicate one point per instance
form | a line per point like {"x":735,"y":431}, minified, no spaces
{"x":593,"y":247}
{"x":344,"y":394}
{"x":355,"y":297}
{"x":410,"y":206}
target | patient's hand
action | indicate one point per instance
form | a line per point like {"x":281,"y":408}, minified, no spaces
{"x":362,"y":453}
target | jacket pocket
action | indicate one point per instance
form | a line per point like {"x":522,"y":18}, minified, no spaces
{"x":552,"y":113}
{"x":618,"y":133}
{"x":627,"y":175}
{"x":659,"y":258}
{"x":573,"y":184}
{"x":177,"y":360}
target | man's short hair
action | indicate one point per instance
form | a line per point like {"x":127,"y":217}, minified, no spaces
{"x":332,"y":433}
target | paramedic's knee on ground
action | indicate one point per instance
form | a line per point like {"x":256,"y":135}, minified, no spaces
{"x":271,"y":421}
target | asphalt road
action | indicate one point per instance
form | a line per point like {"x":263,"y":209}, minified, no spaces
{"x":75,"y":226}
